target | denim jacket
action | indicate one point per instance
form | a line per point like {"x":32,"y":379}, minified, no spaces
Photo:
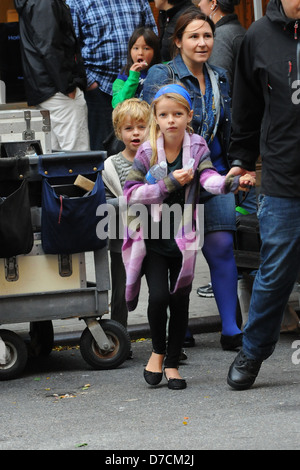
{"x":160,"y":74}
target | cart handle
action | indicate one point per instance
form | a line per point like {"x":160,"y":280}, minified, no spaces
{"x":10,"y":162}
{"x":74,"y":156}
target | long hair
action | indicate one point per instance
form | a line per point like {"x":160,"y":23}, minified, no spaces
{"x":189,"y":15}
{"x":151,"y":39}
{"x":154,"y":128}
{"x":227,"y":6}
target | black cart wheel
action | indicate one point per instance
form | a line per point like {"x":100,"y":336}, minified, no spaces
{"x":41,"y":338}
{"x":101,"y":359}
{"x":17,"y":355}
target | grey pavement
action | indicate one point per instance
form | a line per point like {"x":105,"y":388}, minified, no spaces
{"x":61,"y":403}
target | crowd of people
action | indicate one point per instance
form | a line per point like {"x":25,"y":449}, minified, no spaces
{"x":206,"y":98}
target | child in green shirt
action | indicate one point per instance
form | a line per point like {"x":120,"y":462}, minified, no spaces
{"x":143,"y":52}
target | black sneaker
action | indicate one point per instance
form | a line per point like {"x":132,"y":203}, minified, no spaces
{"x":243,"y":372}
{"x":183,"y":355}
{"x":189,"y":342}
{"x":231,"y":343}
{"x":205,"y":291}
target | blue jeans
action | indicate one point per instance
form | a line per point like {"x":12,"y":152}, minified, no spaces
{"x":99,"y":117}
{"x":279,"y":220}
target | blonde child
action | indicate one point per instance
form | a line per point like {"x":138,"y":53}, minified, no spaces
{"x":168,"y":264}
{"x":131,"y":125}
{"x":143,"y":52}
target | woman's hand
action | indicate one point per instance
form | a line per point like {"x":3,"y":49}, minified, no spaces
{"x":183,"y":176}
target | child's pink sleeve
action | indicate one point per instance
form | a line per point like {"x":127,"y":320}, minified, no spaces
{"x":215,"y":183}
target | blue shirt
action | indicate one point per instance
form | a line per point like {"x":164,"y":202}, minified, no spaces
{"x":104,"y":28}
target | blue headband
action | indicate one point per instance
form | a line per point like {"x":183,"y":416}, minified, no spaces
{"x":174,"y":88}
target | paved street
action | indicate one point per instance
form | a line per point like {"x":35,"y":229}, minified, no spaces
{"x":60,"y":403}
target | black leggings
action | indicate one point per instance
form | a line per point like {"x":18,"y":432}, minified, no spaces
{"x":161,"y":274}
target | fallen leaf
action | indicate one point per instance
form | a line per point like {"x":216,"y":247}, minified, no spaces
{"x":86,"y":387}
{"x":81,"y":445}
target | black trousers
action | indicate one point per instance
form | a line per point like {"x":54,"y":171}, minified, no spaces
{"x":99,"y":117}
{"x":161,"y":274}
{"x":119,"y":311}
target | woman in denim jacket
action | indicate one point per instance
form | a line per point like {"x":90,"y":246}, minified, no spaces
{"x":209,"y":91}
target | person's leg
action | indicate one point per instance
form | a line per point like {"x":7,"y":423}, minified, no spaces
{"x":218,"y":251}
{"x":280,"y":259}
{"x":69,"y":123}
{"x":155,"y":267}
{"x":179,"y":312}
{"x":219,"y":227}
{"x":119,"y":311}
{"x":99,"y":117}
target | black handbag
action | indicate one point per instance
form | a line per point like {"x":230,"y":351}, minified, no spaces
{"x":247,"y":233}
{"x":16,"y":232}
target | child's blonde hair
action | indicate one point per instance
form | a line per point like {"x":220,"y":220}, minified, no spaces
{"x":137,"y":109}
{"x":154,"y":128}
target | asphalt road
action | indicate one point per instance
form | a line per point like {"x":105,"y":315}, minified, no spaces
{"x":60,"y":403}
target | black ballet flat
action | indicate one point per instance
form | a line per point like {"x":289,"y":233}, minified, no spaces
{"x":175,"y":384}
{"x":152,"y":378}
{"x":231,"y":343}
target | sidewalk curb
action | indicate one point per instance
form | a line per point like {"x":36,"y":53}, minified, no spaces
{"x":208,"y":324}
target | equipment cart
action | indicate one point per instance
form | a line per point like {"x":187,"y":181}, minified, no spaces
{"x":38,"y":284}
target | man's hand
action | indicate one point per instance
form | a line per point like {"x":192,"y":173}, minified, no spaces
{"x":72,"y":94}
{"x":93,"y":86}
{"x":237,"y":170}
{"x":246,"y":181}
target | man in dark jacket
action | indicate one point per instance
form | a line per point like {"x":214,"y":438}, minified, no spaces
{"x":53,"y":69}
{"x":266,"y":121}
{"x":169,"y":12}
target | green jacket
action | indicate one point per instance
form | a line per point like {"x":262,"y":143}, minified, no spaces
{"x":125,"y":87}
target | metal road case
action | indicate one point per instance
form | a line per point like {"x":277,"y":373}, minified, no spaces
{"x":39,"y":288}
{"x":25,"y":124}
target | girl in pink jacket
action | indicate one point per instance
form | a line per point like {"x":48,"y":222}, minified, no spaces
{"x":157,"y":242}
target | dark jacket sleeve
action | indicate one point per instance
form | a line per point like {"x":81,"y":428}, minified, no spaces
{"x":50,"y":42}
{"x":247,"y":108}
